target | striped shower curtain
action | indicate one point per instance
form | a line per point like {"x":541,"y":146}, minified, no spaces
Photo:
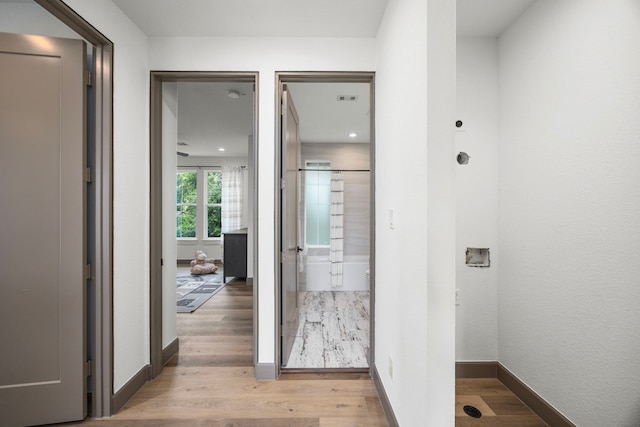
{"x":336,"y":228}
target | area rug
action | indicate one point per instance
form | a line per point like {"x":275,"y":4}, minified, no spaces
{"x":193,"y":291}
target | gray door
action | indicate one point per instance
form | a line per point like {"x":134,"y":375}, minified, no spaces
{"x":42,"y":230}
{"x":289,"y":241}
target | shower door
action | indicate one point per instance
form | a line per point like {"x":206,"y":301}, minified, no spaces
{"x":289,"y":228}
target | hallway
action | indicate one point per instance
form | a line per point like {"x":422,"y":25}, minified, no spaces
{"x":211,"y":383}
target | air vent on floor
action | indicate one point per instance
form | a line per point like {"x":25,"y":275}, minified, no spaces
{"x":347,"y":97}
{"x":472,"y":411}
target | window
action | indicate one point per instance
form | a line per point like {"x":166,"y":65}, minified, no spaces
{"x":317,"y":202}
{"x":214,"y":204}
{"x":199,"y":207}
{"x":186,"y":203}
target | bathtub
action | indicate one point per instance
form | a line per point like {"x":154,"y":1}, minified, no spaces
{"x":317,"y":273}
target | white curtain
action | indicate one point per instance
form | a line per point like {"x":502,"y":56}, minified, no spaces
{"x":232,"y":182}
{"x":336,"y":228}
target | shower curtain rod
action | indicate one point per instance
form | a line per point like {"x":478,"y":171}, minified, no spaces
{"x":208,"y":166}
{"x":334,"y":170}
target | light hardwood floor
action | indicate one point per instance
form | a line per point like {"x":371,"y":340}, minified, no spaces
{"x":498,"y":405}
{"x":211,"y":383}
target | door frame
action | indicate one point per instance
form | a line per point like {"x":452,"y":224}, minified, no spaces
{"x":159,"y":356}
{"x":100,"y":315}
{"x":282,"y":78}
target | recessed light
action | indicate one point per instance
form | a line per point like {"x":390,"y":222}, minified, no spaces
{"x":220,"y":149}
{"x":353,"y":135}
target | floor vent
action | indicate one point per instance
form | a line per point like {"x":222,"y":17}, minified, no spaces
{"x":472,"y":411}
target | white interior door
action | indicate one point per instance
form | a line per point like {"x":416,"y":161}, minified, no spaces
{"x":42,"y":224}
{"x":289,"y":228}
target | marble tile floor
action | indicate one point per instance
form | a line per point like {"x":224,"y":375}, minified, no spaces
{"x":333,"y":331}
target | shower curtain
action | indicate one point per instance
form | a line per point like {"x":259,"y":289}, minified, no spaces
{"x":232,"y":180}
{"x":336,"y":228}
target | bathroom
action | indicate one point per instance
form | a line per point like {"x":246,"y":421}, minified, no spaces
{"x":334,"y":201}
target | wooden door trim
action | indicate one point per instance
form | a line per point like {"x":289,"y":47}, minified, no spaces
{"x":159,"y":355}
{"x":102,"y":265}
{"x":283,"y":78}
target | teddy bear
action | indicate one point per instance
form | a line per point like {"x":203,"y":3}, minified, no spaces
{"x":201,"y":264}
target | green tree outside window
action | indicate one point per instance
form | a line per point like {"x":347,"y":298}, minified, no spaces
{"x":214,"y":207}
{"x":186,"y":203}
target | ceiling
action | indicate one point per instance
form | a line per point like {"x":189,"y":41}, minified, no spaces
{"x":208,"y":119}
{"x":487,"y":18}
{"x":324,"y":118}
{"x":299,"y":18}
{"x":255,"y":18}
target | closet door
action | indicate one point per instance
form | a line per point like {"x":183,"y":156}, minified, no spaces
{"x":42,"y":224}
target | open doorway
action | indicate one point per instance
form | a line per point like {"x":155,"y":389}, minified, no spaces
{"x":326,"y":227}
{"x":203,"y":163}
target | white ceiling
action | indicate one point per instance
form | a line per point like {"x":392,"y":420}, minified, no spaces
{"x":487,"y":18}
{"x":256,"y":18}
{"x":325,"y":119}
{"x":208,"y":119}
{"x":299,"y":18}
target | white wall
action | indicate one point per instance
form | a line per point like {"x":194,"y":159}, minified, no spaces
{"x":477,"y":197}
{"x":131,"y":185}
{"x":414,"y":296}
{"x":265,"y":55}
{"x":569,"y":207}
{"x":441,"y":276}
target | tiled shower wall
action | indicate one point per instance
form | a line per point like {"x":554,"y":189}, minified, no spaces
{"x":349,"y":156}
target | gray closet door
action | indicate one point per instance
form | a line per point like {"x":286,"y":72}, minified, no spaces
{"x":289,"y":200}
{"x":42,"y":230}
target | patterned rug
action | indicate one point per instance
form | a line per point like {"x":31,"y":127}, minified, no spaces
{"x":193,"y":291}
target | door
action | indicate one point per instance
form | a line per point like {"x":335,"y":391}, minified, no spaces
{"x":42,"y":211}
{"x":290,"y":247}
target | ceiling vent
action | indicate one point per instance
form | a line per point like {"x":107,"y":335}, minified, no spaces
{"x":347,"y":97}
{"x":182,"y":143}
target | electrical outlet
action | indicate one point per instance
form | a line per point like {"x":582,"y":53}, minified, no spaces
{"x":390,"y":368}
